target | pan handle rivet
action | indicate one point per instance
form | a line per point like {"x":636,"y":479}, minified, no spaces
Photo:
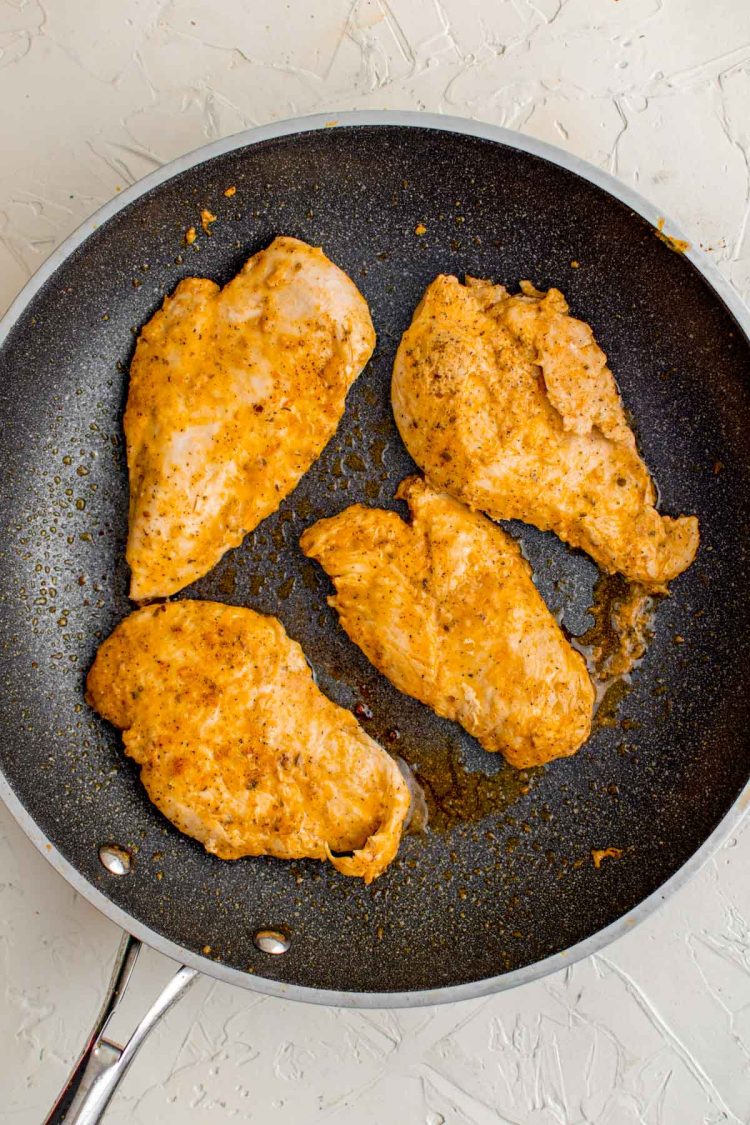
{"x":271,"y":941}
{"x":117,"y":860}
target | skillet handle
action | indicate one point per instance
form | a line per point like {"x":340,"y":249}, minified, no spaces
{"x":103,"y":1064}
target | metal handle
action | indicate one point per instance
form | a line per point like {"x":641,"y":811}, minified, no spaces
{"x":103,"y":1064}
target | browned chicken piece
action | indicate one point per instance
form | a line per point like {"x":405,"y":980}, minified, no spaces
{"x":507,"y":403}
{"x":236,"y":744}
{"x":234,"y":392}
{"x":445,"y":607}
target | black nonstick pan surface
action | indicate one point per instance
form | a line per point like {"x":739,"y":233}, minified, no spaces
{"x":504,"y":877}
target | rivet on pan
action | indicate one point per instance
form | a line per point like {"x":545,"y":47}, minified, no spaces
{"x":271,"y":941}
{"x":117,"y":860}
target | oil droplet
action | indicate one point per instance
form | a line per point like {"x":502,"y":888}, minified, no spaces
{"x":255,"y":583}
{"x":610,"y":699}
{"x":286,"y":588}
{"x":309,"y":577}
{"x":377,"y":448}
{"x":622,"y":630}
{"x":354,"y":461}
{"x":228,"y":581}
{"x":458,"y":795}
{"x":303,"y":507}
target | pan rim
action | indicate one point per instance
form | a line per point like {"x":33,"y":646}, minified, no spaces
{"x":450,"y":993}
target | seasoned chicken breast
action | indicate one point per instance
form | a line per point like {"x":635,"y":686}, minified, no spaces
{"x":445,"y":607}
{"x":236,"y":744}
{"x":233,"y":394}
{"x":507,"y":403}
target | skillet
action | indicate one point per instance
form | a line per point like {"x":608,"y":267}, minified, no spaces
{"x":502,"y":888}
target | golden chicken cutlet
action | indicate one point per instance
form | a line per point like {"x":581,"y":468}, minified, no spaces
{"x":236,"y":744}
{"x":233,"y":395}
{"x":507,"y":403}
{"x":445,"y":607}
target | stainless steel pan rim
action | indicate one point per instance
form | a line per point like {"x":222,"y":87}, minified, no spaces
{"x":623,"y":925}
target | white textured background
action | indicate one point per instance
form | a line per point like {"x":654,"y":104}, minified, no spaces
{"x":94,"y":94}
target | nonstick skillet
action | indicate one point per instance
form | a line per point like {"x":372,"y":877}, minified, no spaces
{"x":502,"y":888}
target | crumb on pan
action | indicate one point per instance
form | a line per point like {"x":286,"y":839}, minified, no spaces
{"x":600,"y":854}
{"x":230,"y":191}
{"x":190,"y":235}
{"x":420,"y":229}
{"x":207,"y":217}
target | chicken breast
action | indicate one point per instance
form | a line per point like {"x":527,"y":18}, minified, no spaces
{"x":233,"y":394}
{"x":507,"y":403}
{"x":445,"y":608}
{"x":236,"y":744}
